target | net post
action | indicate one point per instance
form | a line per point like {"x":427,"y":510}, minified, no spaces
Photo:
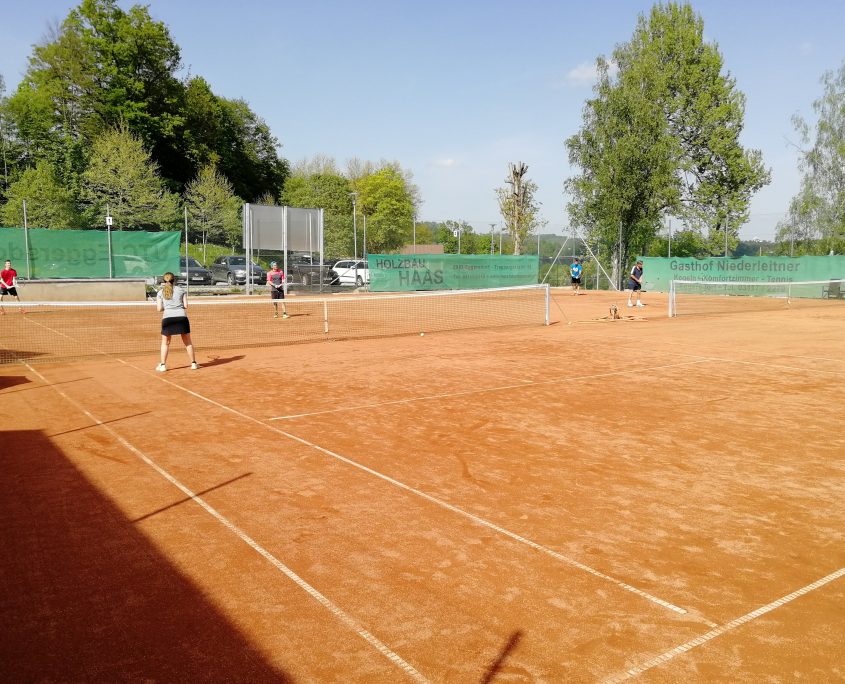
{"x":547,"y":298}
{"x":325,"y":317}
{"x":672,"y":298}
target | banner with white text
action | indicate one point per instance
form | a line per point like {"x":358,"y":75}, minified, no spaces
{"x":403,"y":272}
{"x":658,"y":272}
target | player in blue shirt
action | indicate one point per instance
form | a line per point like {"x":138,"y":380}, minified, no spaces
{"x":575,"y":271}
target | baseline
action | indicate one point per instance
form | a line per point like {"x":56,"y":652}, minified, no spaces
{"x":722,"y":629}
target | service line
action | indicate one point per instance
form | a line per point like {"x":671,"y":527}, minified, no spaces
{"x":428,"y":497}
{"x":499,"y":388}
{"x":722,"y":629}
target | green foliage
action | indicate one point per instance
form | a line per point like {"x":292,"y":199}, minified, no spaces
{"x":49,"y":204}
{"x":105,"y":67}
{"x":122,"y":178}
{"x":213,"y":207}
{"x":386,"y":199}
{"x":207,"y":253}
{"x":662,"y":138}
{"x":331,"y":193}
{"x":685,"y":243}
{"x":816,"y":223}
{"x":518,"y":206}
{"x":424,"y":234}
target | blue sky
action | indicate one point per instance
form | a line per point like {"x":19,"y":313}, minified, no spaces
{"x":454,"y":91}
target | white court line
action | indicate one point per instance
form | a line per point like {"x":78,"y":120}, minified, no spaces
{"x":428,"y":497}
{"x":337,"y":612}
{"x":481,"y":521}
{"x":718,"y":631}
{"x":526,"y":383}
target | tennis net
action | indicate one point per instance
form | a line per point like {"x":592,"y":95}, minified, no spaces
{"x":703,"y":297}
{"x":51,"y":331}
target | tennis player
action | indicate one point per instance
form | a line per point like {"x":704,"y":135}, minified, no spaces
{"x":276,"y":281}
{"x":575,"y":271}
{"x":635,"y":283}
{"x":173,"y":301}
{"x":9,"y":284}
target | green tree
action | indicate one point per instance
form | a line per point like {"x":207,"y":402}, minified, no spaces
{"x":3,"y":133}
{"x":105,"y":66}
{"x":685,"y":243}
{"x":816,"y":222}
{"x":100,"y":67}
{"x":520,"y":210}
{"x":122,"y":178}
{"x":387,"y":200}
{"x":329,"y":192}
{"x":661,"y":137}
{"x":48,"y":203}
{"x":213,"y":206}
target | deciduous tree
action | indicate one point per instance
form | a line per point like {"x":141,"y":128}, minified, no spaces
{"x":48,"y":203}
{"x":213,"y":207}
{"x":122,"y":178}
{"x":816,"y":222}
{"x":518,"y":205}
{"x":386,"y":199}
{"x":661,"y":137}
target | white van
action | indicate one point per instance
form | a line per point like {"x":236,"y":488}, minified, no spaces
{"x":351,"y":272}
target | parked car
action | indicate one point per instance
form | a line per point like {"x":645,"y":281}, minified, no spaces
{"x":304,"y":269}
{"x":193,"y":272}
{"x":232,"y":269}
{"x":351,"y":272}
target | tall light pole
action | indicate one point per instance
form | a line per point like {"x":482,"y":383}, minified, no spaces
{"x":669,"y":224}
{"x":354,"y":196}
{"x":415,"y":232}
{"x":492,"y":237}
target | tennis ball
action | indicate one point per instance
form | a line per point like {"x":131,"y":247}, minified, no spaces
{"x":422,"y":334}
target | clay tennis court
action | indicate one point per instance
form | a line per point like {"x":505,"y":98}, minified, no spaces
{"x":592,"y":501}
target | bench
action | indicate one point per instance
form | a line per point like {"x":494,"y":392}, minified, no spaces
{"x":833,"y":290}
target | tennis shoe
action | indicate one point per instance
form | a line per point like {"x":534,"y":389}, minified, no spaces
{"x":195,"y":366}
{"x":285,"y":316}
{"x":161,"y":368}
{"x":275,"y":315}
{"x":630,"y":305}
{"x":640,"y":304}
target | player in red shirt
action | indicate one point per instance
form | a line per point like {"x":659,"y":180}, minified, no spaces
{"x":9,"y":284}
{"x":276,"y":281}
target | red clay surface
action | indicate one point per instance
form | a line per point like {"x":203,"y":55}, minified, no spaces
{"x":534,"y":504}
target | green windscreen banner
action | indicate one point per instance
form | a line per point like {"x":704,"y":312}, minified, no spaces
{"x":658,"y":272}
{"x":405,"y":272}
{"x":43,"y":253}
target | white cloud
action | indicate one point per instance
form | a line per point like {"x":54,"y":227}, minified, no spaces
{"x":586,"y":73}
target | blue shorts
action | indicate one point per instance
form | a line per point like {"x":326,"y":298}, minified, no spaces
{"x":634,"y":285}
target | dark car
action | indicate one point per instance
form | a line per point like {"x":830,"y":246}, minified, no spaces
{"x":231,"y":269}
{"x":193,"y":272}
{"x":304,"y":269}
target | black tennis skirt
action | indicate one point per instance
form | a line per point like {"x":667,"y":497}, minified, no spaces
{"x":176,"y":325}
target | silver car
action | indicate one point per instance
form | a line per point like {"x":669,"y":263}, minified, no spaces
{"x":231,"y":269}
